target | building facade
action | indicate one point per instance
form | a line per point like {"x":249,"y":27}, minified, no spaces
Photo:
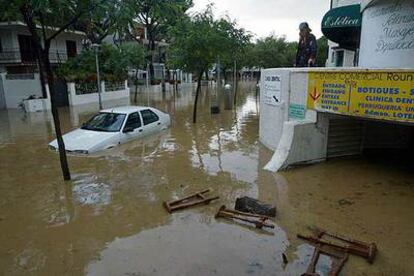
{"x":339,"y":56}
{"x":313,"y":114}
{"x":18,"y":64}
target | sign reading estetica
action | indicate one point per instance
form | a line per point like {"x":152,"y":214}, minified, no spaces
{"x":372,"y":94}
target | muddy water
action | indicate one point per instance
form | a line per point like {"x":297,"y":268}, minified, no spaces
{"x":109,"y":219}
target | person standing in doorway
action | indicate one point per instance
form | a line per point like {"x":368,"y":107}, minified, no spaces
{"x":307,"y":48}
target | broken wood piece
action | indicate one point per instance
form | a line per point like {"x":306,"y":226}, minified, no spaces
{"x":189,"y":201}
{"x":257,"y":220}
{"x":338,"y":262}
{"x":363,"y":249}
{"x":254,"y":206}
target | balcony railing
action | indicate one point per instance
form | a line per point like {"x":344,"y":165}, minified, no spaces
{"x":29,"y":57}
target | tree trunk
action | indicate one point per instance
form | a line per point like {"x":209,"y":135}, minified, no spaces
{"x":55,"y":114}
{"x":41,"y":73}
{"x":235,"y":85}
{"x":196,"y":97}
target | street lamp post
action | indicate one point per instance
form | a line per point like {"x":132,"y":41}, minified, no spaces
{"x":96,"y":47}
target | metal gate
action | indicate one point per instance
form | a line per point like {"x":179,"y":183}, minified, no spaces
{"x":61,"y":90}
{"x":345,"y":136}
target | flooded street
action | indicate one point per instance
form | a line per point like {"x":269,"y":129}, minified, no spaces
{"x":109,"y":220}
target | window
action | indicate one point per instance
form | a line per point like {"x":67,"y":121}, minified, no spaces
{"x":71,"y":48}
{"x":27,"y":53}
{"x":149,"y":117}
{"x":339,"y":61}
{"x":107,"y":122}
{"x":133,"y":121}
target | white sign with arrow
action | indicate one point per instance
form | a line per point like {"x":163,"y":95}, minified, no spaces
{"x":272,"y":89}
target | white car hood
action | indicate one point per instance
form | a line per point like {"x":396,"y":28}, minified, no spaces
{"x":82,"y":139}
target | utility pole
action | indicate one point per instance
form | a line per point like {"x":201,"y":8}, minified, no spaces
{"x":96,"y":47}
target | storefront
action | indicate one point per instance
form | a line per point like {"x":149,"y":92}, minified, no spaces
{"x":370,"y":34}
{"x":387,"y":37}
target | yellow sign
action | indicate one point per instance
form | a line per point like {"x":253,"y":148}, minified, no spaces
{"x":372,"y":94}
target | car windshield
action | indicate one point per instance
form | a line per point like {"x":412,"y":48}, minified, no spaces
{"x":109,"y":122}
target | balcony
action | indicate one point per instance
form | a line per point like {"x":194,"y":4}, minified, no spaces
{"x":15,"y":56}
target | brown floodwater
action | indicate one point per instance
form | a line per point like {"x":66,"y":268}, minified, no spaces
{"x":109,"y":220}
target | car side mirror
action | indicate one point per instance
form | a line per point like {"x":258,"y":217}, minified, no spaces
{"x":128,"y":129}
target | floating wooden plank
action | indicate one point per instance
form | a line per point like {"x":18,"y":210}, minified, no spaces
{"x":258,"y":220}
{"x":189,"y":201}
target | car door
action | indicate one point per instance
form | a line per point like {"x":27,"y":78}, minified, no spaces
{"x":133,"y":128}
{"x":151,"y":121}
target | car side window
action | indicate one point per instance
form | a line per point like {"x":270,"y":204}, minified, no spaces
{"x":149,"y":117}
{"x":134,"y":121}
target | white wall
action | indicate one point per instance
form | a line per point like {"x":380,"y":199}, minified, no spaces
{"x":270,"y":131}
{"x":91,"y":98}
{"x":382,"y":42}
{"x":17,"y":90}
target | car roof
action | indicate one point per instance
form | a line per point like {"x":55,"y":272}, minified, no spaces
{"x":125,"y":109}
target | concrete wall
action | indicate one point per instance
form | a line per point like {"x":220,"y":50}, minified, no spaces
{"x":270,"y":132}
{"x":91,"y":98}
{"x":17,"y":90}
{"x":294,"y":140}
{"x":387,"y":38}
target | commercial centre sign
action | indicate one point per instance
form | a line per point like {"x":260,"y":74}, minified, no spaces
{"x":372,"y":94}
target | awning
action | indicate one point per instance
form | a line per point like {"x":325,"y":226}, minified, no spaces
{"x":343,"y":26}
{"x":367,"y":3}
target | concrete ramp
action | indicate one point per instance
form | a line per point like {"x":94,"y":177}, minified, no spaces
{"x":302,"y":142}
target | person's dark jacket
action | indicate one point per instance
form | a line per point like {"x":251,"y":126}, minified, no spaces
{"x":306,"y":50}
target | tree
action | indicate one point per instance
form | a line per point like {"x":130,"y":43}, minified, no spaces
{"x":195,"y":47}
{"x":103,"y":20}
{"x":233,"y":45}
{"x":322,"y":55}
{"x":271,"y":52}
{"x":157,"y":16}
{"x":45,"y":20}
{"x":136,"y":60}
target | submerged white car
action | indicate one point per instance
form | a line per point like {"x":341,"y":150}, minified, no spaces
{"x":111,"y":127}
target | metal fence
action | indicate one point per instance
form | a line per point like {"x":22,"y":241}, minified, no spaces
{"x":86,"y":88}
{"x":114,"y":86}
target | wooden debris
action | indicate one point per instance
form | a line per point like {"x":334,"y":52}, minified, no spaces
{"x":363,"y":249}
{"x":258,"y":220}
{"x":339,"y":260}
{"x":189,"y":201}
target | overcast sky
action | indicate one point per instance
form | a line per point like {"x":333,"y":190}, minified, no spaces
{"x":263,"y":17}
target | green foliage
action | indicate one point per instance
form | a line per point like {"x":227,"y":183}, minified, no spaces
{"x":233,"y":42}
{"x":106,"y":18}
{"x":113,"y":63}
{"x":157,"y":16}
{"x":196,"y":43}
{"x":322,"y":55}
{"x":271,"y":52}
{"x":199,"y":41}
